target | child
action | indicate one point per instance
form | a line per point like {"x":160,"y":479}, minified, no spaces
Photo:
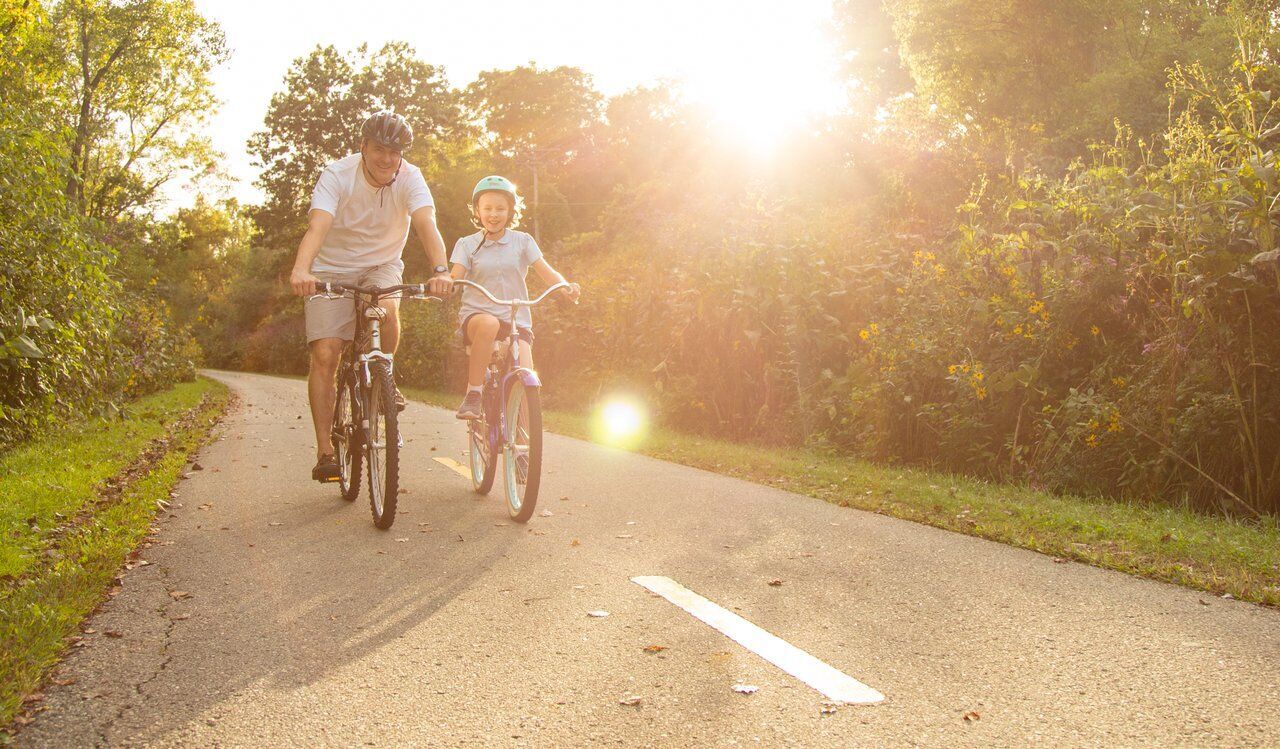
{"x":497,"y":258}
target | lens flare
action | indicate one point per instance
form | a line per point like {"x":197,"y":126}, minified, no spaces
{"x":620,"y":422}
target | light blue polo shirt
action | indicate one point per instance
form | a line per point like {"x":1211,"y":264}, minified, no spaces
{"x":500,"y":266}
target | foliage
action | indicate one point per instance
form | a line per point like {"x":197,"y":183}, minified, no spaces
{"x":78,"y":330}
{"x":136,"y":82}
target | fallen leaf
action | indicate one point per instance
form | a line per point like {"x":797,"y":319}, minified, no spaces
{"x":599,"y":614}
{"x":197,"y":467}
{"x":401,"y":540}
{"x":89,"y":631}
{"x":575,"y":542}
{"x":113,"y":633}
{"x":545,"y":513}
{"x":565,"y":498}
{"x":745,"y":688}
{"x":654,"y":648}
{"x":64,"y":682}
{"x":180,"y":617}
{"x":205,"y":506}
{"x":1059,"y":560}
{"x":623,"y":535}
{"x":829,"y":708}
{"x":1203,"y":602}
{"x":38,"y":696}
{"x":178,"y":595}
{"x":631,"y":701}
{"x":971,"y":716}
{"x":775,"y":582}
{"x":275,"y":523}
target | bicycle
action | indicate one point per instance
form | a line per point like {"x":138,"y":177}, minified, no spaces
{"x":512,"y":418}
{"x":365,"y":415}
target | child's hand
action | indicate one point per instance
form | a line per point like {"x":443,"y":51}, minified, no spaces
{"x":573,"y":292}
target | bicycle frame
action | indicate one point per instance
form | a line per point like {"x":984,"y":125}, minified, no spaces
{"x":367,"y":343}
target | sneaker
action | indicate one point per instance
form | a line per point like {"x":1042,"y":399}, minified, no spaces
{"x":399,"y":399}
{"x":326,"y":469}
{"x":472,"y":406}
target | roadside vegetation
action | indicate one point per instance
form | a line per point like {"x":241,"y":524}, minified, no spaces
{"x":74,"y":505}
{"x":1220,"y":555}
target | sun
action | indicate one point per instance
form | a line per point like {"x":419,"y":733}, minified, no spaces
{"x":763,"y":82}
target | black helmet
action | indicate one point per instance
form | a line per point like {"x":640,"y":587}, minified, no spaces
{"x":389,"y":129}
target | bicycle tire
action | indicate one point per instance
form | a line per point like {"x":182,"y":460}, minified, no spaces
{"x":346,"y":437}
{"x":383,"y":440}
{"x":522,"y":497}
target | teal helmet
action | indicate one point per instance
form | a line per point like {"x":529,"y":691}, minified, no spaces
{"x":494,"y":183}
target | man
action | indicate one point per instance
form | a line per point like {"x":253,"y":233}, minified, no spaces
{"x":361,"y":212}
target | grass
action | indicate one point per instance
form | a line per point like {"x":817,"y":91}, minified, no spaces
{"x":1218,"y":555}
{"x":72,"y":507}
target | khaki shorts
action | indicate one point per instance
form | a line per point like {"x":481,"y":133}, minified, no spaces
{"x":336,"y":318}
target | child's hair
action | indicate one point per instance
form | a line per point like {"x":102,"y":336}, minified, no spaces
{"x":517,"y":207}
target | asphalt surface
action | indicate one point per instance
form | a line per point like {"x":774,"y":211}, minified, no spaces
{"x":272,"y":613}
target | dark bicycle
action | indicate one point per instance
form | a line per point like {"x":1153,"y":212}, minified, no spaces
{"x":365,"y":415}
{"x":512,"y":420}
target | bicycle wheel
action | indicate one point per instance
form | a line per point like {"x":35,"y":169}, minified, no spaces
{"x":346,"y":436}
{"x":480,"y":456}
{"x":382,"y":448}
{"x":522,"y":450}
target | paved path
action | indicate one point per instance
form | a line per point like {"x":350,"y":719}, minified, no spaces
{"x":306,"y":626}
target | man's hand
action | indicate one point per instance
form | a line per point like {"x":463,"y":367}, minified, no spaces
{"x":441,"y":285}
{"x":572,"y":293}
{"x":303,"y":283}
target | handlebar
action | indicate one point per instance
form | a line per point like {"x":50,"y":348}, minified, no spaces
{"x":511,"y":302}
{"x":418,"y":290}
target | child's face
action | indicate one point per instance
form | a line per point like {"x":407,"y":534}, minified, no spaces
{"x":493,"y":210}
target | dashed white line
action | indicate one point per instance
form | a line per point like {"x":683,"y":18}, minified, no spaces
{"x":835,"y":684}
{"x":454,"y":466}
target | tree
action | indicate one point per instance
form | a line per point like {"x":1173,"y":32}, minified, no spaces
{"x":137,"y":74}
{"x":537,"y":118}
{"x":1050,"y":76}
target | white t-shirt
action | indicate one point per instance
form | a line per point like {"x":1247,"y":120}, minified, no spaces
{"x":370,"y":224}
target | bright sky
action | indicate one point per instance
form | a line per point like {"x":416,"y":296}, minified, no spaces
{"x":760,"y":65}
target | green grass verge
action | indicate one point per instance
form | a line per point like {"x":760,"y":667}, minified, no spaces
{"x":72,"y":507}
{"x":1218,"y":555}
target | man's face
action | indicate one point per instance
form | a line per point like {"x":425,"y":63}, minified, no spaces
{"x":381,"y":161}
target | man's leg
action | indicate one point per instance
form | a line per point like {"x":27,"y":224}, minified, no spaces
{"x":322,"y":389}
{"x":390,"y":325}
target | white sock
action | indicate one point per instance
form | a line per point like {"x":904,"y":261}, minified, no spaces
{"x":475,"y":388}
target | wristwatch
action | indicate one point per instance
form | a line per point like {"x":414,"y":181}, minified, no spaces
{"x":440,"y":269}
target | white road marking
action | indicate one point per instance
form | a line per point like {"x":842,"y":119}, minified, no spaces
{"x":454,"y":466}
{"x":836,"y":685}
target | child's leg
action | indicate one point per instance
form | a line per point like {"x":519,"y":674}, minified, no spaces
{"x":482,"y":330}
